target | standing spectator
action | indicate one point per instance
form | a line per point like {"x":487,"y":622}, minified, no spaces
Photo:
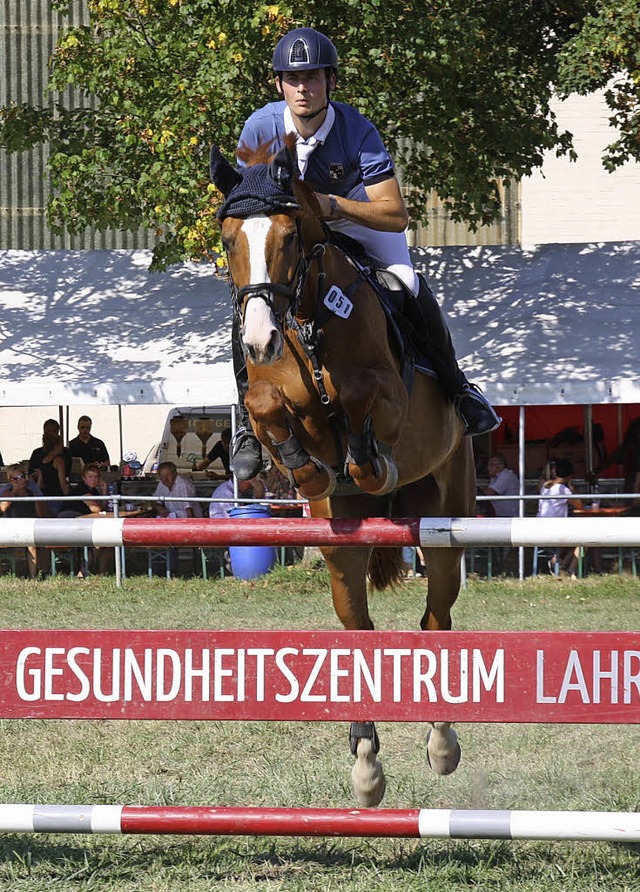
{"x":19,"y":486}
{"x":628,"y":455}
{"x":559,"y":485}
{"x":51,"y":476}
{"x":502,"y":482}
{"x":219,"y":450}
{"x":52,"y":427}
{"x":87,"y":447}
{"x":173,"y":486}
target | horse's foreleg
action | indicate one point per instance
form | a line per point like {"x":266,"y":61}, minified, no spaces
{"x":348,"y":569}
{"x":362,"y":399}
{"x":312,"y":478}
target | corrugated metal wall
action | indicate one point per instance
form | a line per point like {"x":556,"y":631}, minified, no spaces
{"x":29,"y":31}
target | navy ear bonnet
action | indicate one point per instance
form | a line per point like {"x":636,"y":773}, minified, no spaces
{"x":258,"y":189}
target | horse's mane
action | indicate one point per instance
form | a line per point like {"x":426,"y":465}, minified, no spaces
{"x":264,"y":153}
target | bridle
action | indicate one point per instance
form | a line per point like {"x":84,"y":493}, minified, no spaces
{"x":292,"y":291}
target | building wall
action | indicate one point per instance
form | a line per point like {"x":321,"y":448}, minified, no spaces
{"x":581,"y":201}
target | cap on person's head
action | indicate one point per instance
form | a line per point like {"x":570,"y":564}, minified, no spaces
{"x":304,"y":49}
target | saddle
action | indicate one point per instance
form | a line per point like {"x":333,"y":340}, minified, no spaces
{"x":393,"y":295}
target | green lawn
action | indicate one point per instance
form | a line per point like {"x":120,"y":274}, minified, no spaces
{"x":272,"y":764}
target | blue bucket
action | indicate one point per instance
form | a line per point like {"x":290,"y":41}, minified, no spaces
{"x":249,"y":561}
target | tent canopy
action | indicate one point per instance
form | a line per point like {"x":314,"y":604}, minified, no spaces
{"x":554,"y":324}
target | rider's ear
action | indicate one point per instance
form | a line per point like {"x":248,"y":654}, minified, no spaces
{"x":281,"y":170}
{"x":223,"y":175}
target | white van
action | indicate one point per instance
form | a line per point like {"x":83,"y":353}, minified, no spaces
{"x":189,"y":435}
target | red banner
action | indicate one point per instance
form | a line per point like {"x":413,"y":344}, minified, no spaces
{"x":577,"y":677}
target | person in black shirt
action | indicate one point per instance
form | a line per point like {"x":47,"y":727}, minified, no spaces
{"x":220,"y":450}
{"x":52,"y":427}
{"x":90,"y":449}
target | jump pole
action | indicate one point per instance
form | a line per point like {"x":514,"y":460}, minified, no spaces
{"x":416,"y":823}
{"x":426,"y":532}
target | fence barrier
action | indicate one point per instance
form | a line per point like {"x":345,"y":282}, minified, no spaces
{"x":422,"y":823}
{"x":427,"y":532}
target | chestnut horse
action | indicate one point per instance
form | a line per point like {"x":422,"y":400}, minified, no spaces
{"x":327,"y":400}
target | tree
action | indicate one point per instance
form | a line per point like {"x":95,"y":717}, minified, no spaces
{"x":605,"y":55}
{"x":460,"y":91}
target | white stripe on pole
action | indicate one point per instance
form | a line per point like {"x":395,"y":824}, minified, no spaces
{"x":106,"y":819}
{"x":16,"y":818}
{"x":576,"y":825}
{"x":19,"y":531}
{"x":434,"y":823}
{"x":529,"y":531}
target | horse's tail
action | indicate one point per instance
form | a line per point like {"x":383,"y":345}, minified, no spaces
{"x":386,"y":567}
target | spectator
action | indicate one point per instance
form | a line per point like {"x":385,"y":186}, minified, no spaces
{"x":502,"y":482}
{"x":91,"y":485}
{"x":247,"y":489}
{"x":628,"y":455}
{"x":559,"y":485}
{"x":51,"y":475}
{"x":50,"y":426}
{"x":19,"y":486}
{"x":87,"y":447}
{"x":173,"y":486}
{"x":219,"y":450}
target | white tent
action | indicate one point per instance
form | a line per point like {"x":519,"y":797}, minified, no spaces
{"x":547,"y":325}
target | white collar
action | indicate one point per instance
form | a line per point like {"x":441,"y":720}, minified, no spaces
{"x":321,"y":133}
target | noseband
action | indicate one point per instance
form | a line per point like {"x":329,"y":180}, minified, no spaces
{"x":291,"y":292}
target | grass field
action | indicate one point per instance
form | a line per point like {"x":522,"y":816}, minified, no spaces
{"x":273,"y":764}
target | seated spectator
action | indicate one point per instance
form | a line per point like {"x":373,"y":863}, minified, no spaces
{"x":173,"y":486}
{"x":559,"y":485}
{"x":502,"y":482}
{"x":220,"y":450}
{"x":51,"y":475}
{"x":18,"y":486}
{"x":91,"y":485}
{"x":247,"y":489}
{"x":628,"y":455}
{"x":50,"y":426}
{"x":87,"y":447}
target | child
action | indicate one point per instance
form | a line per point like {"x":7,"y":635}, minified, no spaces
{"x":559,"y":485}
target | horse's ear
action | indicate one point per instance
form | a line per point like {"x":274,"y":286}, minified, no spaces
{"x":281,"y":169}
{"x":223,"y":175}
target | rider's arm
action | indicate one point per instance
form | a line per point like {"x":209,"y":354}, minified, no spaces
{"x":385,"y":210}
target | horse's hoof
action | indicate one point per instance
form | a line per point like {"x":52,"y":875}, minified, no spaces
{"x":320,"y":484}
{"x":443,"y":751}
{"x":367,"y":776}
{"x":383,"y":482}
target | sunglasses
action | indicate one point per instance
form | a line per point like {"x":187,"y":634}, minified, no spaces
{"x":19,"y":477}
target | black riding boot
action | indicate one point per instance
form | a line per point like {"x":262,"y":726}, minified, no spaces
{"x":245,"y":449}
{"x":433,"y":336}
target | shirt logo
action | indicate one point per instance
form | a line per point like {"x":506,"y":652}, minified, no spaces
{"x":336,"y":171}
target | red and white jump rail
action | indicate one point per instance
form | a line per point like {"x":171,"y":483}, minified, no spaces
{"x":422,"y":823}
{"x":427,"y":532}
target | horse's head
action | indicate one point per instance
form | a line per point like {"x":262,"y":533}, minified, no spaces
{"x":262,"y":235}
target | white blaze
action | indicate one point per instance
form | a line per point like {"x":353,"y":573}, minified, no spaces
{"x":259,"y":321}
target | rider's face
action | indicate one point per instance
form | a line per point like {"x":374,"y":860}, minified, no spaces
{"x":305,"y":92}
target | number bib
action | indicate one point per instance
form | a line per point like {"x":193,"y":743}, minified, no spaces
{"x":337,"y":301}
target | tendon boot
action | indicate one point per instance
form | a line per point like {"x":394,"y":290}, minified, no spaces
{"x":434,"y":339}
{"x":245,"y":449}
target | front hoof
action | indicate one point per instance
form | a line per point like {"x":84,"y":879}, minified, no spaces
{"x":443,"y":750}
{"x":382,"y":481}
{"x":315,"y":481}
{"x":367,"y":776}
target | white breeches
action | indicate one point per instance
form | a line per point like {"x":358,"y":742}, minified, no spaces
{"x":388,"y":249}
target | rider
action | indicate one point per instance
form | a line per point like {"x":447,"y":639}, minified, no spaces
{"x":343,"y":155}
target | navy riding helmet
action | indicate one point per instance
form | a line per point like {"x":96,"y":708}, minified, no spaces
{"x":304,"y":49}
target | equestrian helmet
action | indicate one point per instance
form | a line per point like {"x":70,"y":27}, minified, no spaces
{"x":304,"y":49}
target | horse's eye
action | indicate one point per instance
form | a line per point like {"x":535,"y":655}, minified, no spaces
{"x":290,"y":238}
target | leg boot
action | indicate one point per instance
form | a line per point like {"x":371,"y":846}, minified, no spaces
{"x":434,"y":338}
{"x":246,"y":451}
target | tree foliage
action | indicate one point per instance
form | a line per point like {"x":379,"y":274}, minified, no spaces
{"x":459,"y":89}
